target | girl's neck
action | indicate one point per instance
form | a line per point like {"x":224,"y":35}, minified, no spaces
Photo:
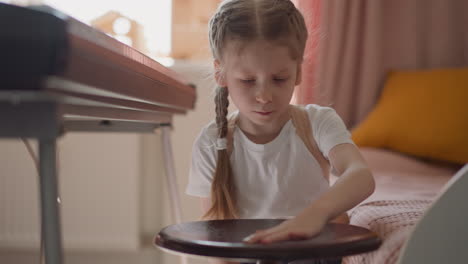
{"x":261,"y":138}
{"x":261,"y":134}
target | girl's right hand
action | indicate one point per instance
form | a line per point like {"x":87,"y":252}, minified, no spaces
{"x":303,"y":226}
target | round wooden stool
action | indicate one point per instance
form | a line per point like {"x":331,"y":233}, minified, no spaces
{"x":223,"y":239}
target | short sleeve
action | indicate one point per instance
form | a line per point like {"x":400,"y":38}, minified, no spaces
{"x":203,"y":164}
{"x":328,"y":128}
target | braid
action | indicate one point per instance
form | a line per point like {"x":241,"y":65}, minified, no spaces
{"x":222,"y":103}
{"x":217,"y":31}
{"x":223,"y":190}
{"x":288,"y":6}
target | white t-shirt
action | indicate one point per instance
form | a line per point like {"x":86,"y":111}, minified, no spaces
{"x":274,"y":180}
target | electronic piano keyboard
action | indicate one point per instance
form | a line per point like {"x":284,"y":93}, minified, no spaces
{"x":43,"y":49}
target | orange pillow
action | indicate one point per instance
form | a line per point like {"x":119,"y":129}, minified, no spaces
{"x":422,"y":113}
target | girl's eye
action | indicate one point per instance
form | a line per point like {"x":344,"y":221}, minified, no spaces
{"x":247,"y":80}
{"x":280,"y":79}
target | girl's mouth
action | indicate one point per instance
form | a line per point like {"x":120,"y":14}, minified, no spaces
{"x":264,"y":113}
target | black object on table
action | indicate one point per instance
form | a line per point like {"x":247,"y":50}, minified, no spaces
{"x":223,"y":239}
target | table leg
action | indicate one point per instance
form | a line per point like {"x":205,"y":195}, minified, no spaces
{"x":171,"y":175}
{"x":50,"y":214}
{"x":172,"y":180}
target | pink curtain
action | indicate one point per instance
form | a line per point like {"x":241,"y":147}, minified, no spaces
{"x":311,"y":12}
{"x":359,"y":41}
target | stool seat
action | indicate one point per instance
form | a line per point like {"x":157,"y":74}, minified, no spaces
{"x":223,"y":239}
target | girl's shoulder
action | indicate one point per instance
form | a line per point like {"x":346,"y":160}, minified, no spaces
{"x":318,"y":113}
{"x":207,"y":135}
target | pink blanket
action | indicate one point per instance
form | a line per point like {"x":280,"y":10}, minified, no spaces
{"x":405,"y":187}
{"x":392,"y":220}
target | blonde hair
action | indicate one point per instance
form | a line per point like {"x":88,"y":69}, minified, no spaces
{"x":276,"y":21}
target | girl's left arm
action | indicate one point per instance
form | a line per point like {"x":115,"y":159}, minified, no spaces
{"x":355,"y":182}
{"x":354,"y":185}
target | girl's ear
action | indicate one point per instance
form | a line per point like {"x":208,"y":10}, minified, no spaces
{"x":219,"y":76}
{"x":299,"y":74}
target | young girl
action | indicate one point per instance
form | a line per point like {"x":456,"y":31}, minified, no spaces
{"x":260,"y":167}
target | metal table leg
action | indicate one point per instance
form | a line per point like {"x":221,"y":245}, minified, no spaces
{"x":27,"y":115}
{"x":171,"y":177}
{"x":50,"y":214}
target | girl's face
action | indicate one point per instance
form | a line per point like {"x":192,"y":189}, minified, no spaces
{"x":260,"y":77}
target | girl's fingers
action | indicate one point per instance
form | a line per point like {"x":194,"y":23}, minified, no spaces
{"x":279,"y":236}
{"x":259,"y":235}
{"x":255,"y":237}
{"x":283,"y":235}
{"x":252,"y":239}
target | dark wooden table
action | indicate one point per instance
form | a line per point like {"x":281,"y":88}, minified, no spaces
{"x":223,"y":239}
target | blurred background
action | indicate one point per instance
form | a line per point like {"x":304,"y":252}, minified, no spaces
{"x":112,"y":186}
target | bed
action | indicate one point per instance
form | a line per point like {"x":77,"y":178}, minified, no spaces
{"x":405,"y":187}
{"x":414,"y":141}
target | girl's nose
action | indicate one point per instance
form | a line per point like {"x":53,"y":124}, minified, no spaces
{"x":263,"y":94}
